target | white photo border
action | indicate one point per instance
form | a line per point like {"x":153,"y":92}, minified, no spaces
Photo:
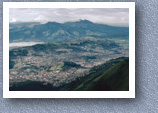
{"x":68,"y":94}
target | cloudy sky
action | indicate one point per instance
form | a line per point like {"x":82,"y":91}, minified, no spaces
{"x":110,"y":16}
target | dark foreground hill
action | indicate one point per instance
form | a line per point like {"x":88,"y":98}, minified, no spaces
{"x":32,"y":86}
{"x":111,"y":76}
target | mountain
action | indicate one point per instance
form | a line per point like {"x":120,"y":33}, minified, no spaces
{"x":111,"y":76}
{"x":57,"y":32}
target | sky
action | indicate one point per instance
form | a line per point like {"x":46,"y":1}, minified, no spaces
{"x":109,"y":16}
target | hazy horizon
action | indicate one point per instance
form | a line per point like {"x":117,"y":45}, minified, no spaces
{"x":64,"y":22}
{"x":109,"y":16}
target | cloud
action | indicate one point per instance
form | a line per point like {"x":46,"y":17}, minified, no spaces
{"x":110,"y":16}
{"x":13,"y":20}
{"x":23,"y":44}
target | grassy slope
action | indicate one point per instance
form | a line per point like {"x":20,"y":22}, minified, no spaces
{"x":114,"y":78}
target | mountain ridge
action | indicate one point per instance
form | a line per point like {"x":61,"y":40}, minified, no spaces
{"x":56,"y":32}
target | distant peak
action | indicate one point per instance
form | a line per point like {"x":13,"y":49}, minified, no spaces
{"x":85,"y":21}
{"x":52,"y":23}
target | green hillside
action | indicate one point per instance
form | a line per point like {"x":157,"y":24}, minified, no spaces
{"x":114,"y":76}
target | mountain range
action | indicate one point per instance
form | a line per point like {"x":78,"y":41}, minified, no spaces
{"x":57,"y":32}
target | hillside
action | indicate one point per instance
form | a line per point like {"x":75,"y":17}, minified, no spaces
{"x":57,"y":32}
{"x":113,"y":78}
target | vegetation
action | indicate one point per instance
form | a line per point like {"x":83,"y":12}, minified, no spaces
{"x":114,"y":78}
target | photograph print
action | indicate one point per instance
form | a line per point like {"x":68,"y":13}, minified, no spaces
{"x":69,"y":49}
